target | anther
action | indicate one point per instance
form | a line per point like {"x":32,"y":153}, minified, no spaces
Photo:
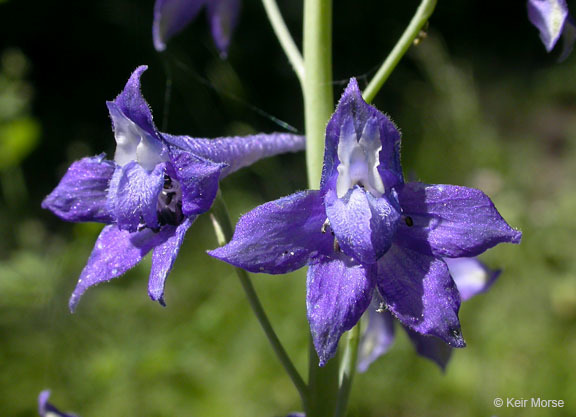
{"x":409,"y":221}
{"x":337,"y":248}
{"x":167,"y":181}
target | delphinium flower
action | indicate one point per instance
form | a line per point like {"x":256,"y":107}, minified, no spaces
{"x":367,"y":232}
{"x":552,"y":19}
{"x":152,"y":191}
{"x":45,"y":409}
{"x":172,"y":16}
{"x":471,"y":277}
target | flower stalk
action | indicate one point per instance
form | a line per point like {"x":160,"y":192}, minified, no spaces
{"x":318,"y":94}
{"x":347,"y":369}
{"x":224,"y":231}
{"x":422,"y":15}
{"x":318,"y":107}
{"x":284,"y":37}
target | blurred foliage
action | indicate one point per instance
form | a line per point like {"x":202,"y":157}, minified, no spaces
{"x":476,"y":108}
{"x":19,"y":132}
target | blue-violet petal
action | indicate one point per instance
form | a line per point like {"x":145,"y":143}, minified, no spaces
{"x":279,"y":236}
{"x":81,"y":195}
{"x":450,"y":221}
{"x":419,"y":291}
{"x":338,"y":293}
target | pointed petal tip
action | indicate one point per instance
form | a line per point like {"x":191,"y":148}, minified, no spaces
{"x":73,"y":303}
{"x":158,"y":296}
{"x":353,"y":85}
{"x":456,"y":340}
{"x":352,"y":91}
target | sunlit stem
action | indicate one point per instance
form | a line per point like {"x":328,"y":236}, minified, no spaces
{"x":318,"y":106}
{"x":224,"y":231}
{"x":284,"y":37}
{"x":347,"y":369}
{"x":318,"y":95}
{"x":322,"y":386}
{"x":422,"y":15}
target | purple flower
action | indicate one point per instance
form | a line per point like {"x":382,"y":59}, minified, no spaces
{"x":171,"y":16}
{"x":552,"y":20}
{"x":45,"y":409}
{"x":471,"y":276}
{"x":366,"y":231}
{"x":152,"y":191}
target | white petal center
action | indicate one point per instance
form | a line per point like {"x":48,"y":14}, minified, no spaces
{"x":135,"y":144}
{"x":359,"y":159}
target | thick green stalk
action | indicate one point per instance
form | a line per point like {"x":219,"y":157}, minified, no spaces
{"x":322,"y":386}
{"x":284,"y":37}
{"x":318,"y":106}
{"x":224,"y":231}
{"x":348,"y":369}
{"x":318,"y":94}
{"x":422,"y":15}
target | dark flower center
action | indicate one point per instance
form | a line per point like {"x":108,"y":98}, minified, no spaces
{"x":169,"y":206}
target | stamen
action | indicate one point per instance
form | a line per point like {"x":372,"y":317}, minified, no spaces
{"x":170,"y":203}
{"x":325,"y":225}
{"x":337,"y":248}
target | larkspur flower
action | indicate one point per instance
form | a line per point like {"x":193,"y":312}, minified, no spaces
{"x":152,"y":191}
{"x":552,"y":19}
{"x":366,"y":231}
{"x":471,"y":277}
{"x":172,"y":16}
{"x":45,"y":409}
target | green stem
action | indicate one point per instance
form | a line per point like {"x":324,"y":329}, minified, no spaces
{"x":422,"y":15}
{"x":322,"y":386}
{"x":318,"y":106}
{"x":348,"y":369}
{"x":224,"y":231}
{"x":284,"y":37}
{"x":318,"y":95}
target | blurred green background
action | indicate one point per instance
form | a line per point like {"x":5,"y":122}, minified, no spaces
{"x":479,"y":103}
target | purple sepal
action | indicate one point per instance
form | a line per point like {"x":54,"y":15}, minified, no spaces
{"x":170,"y":17}
{"x":450,"y":221}
{"x":115,"y":252}
{"x":163,"y":259}
{"x":82,"y":192}
{"x":378,"y":336}
{"x":133,"y":105}
{"x":198,"y":178}
{"x":45,"y":409}
{"x":471,"y":276}
{"x":549,"y":17}
{"x":431,"y":348}
{"x":420,"y":293}
{"x":238,"y":151}
{"x":133,"y":196}
{"x":351,"y":105}
{"x":223,"y":17}
{"x":362,"y":224}
{"x":338,"y":292}
{"x":279,"y":236}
